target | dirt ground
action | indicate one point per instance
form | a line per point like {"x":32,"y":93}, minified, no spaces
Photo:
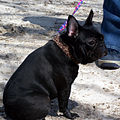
{"x":28,"y":24}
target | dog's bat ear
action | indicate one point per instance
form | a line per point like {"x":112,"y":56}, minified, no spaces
{"x":88,"y":21}
{"x":72,"y":26}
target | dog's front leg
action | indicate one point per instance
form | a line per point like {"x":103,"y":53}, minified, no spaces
{"x":63,"y":97}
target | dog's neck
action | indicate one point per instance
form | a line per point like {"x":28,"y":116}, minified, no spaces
{"x":65,"y":48}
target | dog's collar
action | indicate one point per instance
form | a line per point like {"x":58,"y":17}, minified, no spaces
{"x":65,"y":48}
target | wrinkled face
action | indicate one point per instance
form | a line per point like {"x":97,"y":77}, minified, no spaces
{"x":90,"y":46}
{"x":87,"y":42}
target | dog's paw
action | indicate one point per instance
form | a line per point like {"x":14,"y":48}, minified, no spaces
{"x":70,"y":115}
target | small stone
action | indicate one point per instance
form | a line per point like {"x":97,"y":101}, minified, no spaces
{"x":106,"y":89}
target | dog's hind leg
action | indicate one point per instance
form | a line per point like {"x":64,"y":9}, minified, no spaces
{"x":40,"y":107}
{"x":29,"y":108}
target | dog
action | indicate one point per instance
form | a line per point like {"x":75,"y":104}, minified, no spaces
{"x":49,"y":72}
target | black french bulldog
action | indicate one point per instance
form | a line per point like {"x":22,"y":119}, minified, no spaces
{"x":49,"y":72}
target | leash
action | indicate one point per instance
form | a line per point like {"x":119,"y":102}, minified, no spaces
{"x":76,"y":9}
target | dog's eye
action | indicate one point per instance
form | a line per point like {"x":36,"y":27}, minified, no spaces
{"x":91,"y":42}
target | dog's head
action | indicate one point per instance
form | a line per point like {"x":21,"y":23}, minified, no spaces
{"x":85,"y":42}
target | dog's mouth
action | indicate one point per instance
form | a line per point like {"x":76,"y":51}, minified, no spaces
{"x":94,"y":57}
{"x":100,"y":52}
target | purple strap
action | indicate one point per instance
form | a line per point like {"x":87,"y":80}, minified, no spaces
{"x":76,"y":9}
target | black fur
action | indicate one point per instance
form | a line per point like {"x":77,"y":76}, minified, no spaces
{"x":48,"y":73}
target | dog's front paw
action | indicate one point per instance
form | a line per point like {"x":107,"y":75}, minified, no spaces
{"x":70,"y":115}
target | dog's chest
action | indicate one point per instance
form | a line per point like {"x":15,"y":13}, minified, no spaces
{"x":65,"y":76}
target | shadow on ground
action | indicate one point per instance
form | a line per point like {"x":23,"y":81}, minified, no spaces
{"x":55,"y":108}
{"x":52,"y":23}
{"x":47,"y":23}
{"x":85,"y":111}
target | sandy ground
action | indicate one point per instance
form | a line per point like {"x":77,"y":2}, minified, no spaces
{"x":28,"y":24}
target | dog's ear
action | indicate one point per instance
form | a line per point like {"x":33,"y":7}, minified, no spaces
{"x":88,"y":21}
{"x":72,"y":26}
